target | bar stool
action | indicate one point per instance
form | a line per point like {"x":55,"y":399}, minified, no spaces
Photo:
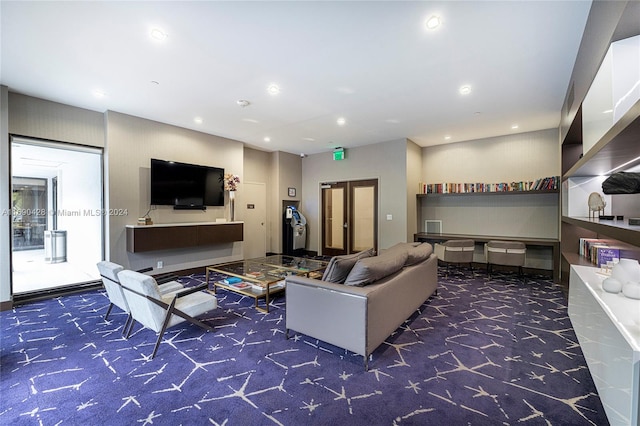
{"x":507,"y":253}
{"x":455,"y":251}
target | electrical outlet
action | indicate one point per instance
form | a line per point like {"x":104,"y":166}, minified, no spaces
{"x":160,"y":264}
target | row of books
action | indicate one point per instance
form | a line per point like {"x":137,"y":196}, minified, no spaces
{"x":547,"y":183}
{"x":598,"y":251}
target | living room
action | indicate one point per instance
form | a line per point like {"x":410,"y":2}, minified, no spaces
{"x":400,"y":165}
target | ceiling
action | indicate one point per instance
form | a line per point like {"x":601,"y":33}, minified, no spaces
{"x":372,"y":63}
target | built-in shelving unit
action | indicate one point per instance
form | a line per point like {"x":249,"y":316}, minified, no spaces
{"x":603,"y":138}
{"x":528,"y":216}
{"x":618,"y":150}
{"x":608,"y":331}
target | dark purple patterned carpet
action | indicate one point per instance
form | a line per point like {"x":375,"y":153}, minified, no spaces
{"x":480,"y":352}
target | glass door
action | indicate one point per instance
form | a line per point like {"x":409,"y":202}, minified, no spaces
{"x":349,"y":216}
{"x":363,"y":220}
{"x":334,"y":218}
{"x":57,"y":215}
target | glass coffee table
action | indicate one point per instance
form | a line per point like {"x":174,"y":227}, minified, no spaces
{"x":263,"y":277}
{"x":300,"y":265}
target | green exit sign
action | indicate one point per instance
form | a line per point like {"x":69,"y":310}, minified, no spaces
{"x":338,"y":154}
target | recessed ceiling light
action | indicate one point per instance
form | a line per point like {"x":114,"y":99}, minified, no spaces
{"x":250,"y":120}
{"x":198,"y":120}
{"x":447,"y":137}
{"x":465,"y":90}
{"x":308,"y":139}
{"x":273,"y":89}
{"x":98,"y":93}
{"x":514,"y":126}
{"x":432,"y":22}
{"x":157,"y":34}
{"x":607,"y":111}
{"x":243,"y":103}
{"x":267,"y":139}
{"x":341,"y":121}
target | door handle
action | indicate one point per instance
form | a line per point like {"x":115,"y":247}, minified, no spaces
{"x":345,"y":225}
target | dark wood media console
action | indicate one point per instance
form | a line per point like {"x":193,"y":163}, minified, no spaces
{"x":141,"y":238}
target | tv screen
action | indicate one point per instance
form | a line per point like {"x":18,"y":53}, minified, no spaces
{"x":186,"y":185}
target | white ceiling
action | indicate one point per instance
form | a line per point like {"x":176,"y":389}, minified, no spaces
{"x":371,"y":62}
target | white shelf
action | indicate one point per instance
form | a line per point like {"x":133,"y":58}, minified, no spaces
{"x":608,"y":329}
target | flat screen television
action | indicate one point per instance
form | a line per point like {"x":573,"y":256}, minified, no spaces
{"x":186,"y":186}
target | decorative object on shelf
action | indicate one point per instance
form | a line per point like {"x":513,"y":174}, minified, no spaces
{"x":625,"y":277}
{"x":631,"y":289}
{"x":622,"y":183}
{"x":611,"y":285}
{"x":596,"y":204}
{"x":232,"y":206}
{"x":231,"y":182}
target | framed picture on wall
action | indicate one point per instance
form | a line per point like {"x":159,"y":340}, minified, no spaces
{"x":292,"y":192}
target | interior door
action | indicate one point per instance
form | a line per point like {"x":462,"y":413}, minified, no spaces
{"x":334,"y":218}
{"x":254,"y":210}
{"x":363,"y":215}
{"x":349,"y":216}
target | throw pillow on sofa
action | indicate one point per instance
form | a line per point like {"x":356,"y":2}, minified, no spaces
{"x":371,"y":269}
{"x":340,"y":266}
{"x":416,"y":251}
{"x":416,"y":254}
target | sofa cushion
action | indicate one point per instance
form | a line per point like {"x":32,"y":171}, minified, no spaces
{"x":416,"y":254}
{"x":371,"y":269}
{"x":340,"y":266}
{"x":416,"y":251}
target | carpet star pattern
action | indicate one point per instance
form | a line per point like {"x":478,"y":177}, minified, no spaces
{"x":482,"y":351}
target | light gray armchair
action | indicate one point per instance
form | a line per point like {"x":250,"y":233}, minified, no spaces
{"x":109,"y":273}
{"x":157,"y":311}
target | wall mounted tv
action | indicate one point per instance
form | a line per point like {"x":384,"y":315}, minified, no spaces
{"x":186,"y":186}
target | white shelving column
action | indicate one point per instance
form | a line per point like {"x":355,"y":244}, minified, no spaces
{"x":608,"y":330}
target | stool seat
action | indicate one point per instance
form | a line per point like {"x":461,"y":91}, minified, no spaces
{"x":507,"y":253}
{"x":455,"y":251}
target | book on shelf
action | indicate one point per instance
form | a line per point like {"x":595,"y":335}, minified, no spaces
{"x":607,"y":254}
{"x":542,"y":184}
{"x":231,"y":280}
{"x":598,"y":251}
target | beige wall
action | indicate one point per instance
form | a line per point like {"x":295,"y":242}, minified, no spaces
{"x":5,"y":201}
{"x":132,"y":142}
{"x":414,"y":177}
{"x":286,"y":173}
{"x":523,"y":156}
{"x":383,"y":161}
{"x":39,"y":118}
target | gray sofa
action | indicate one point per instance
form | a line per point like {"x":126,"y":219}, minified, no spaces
{"x":360,"y":316}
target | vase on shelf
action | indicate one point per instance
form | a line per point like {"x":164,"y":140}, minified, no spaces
{"x":232,"y":205}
